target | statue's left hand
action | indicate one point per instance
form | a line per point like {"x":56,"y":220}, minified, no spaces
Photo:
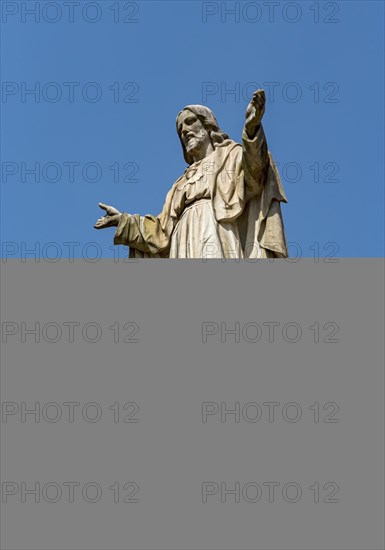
{"x":255,"y":111}
{"x":111,"y":220}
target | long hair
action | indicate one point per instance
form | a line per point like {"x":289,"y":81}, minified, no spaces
{"x":207,"y":118}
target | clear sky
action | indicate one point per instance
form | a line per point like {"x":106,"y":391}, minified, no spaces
{"x":110,"y":77}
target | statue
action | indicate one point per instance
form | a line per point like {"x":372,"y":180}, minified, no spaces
{"x":225,"y":205}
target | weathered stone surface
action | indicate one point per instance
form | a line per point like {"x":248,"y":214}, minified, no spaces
{"x":225,"y":205}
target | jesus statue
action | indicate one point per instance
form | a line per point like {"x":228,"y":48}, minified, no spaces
{"x":225,"y":205}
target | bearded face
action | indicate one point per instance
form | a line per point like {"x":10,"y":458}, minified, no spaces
{"x":194,"y":141}
{"x":193,"y":134}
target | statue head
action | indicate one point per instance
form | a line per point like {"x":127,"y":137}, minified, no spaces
{"x":205,"y":127}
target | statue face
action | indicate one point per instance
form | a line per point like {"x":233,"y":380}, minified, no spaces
{"x":192,"y":132}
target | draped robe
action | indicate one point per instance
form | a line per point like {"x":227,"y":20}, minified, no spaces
{"x":226,"y":205}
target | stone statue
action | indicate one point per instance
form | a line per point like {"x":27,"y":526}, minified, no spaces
{"x":225,"y":205}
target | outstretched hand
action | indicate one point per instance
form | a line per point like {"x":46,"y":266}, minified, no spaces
{"x":255,"y":111}
{"x":112,"y":218}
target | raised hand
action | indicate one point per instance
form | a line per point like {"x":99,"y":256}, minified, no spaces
{"x":110,"y":220}
{"x":255,"y":111}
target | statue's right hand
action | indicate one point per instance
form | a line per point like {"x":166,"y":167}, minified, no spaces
{"x":112,"y":218}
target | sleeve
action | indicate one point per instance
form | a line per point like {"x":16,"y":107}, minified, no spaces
{"x":255,"y":162}
{"x":148,"y":234}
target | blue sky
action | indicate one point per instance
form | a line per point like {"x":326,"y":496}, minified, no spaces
{"x":110,"y":135}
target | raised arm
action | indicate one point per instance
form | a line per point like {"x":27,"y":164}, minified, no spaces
{"x":255,"y":152}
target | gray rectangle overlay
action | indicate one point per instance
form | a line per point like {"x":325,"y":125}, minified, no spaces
{"x":208,"y":405}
